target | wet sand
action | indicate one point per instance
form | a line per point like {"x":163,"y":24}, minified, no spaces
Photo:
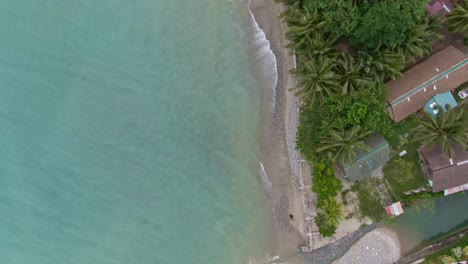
{"x":278,"y":142}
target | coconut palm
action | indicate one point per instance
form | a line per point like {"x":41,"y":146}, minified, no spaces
{"x":316,"y":80}
{"x":419,"y":41}
{"x":329,"y":216}
{"x":384,"y":64}
{"x":319,"y":46}
{"x":445,"y":130}
{"x":332,"y":211}
{"x":350,"y":75}
{"x":302,"y":23}
{"x":458,"y":19}
{"x":342,"y":146}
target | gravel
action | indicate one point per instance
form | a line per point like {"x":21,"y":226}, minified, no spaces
{"x":330,"y":252}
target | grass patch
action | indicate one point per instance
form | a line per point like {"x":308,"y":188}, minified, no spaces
{"x":369,"y":199}
{"x":398,"y":134}
{"x":458,"y":89}
{"x":404,"y":173}
{"x":457,"y":252}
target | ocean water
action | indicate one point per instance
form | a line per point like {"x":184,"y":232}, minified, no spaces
{"x":129,"y":133}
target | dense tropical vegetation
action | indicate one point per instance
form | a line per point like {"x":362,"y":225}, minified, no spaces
{"x":346,"y":50}
{"x":458,"y":18}
{"x":445,"y":130}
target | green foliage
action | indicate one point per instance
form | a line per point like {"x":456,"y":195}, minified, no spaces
{"x":302,"y":23}
{"x":316,"y":80}
{"x":369,"y":202}
{"x":324,"y":229}
{"x":422,"y":196}
{"x":308,"y":132}
{"x":396,"y":137}
{"x":329,"y":216}
{"x":342,"y":146}
{"x":325,"y":184}
{"x":402,"y":169}
{"x":419,"y":41}
{"x":404,"y":173}
{"x":458,"y":18}
{"x":382,"y":64}
{"x":341,"y":17}
{"x":344,"y":92}
{"x":319,"y":47}
{"x":364,"y":108}
{"x":385,"y":23}
{"x":332,"y":211}
{"x":451,"y":253}
{"x":445,"y":130}
{"x":351,"y":74}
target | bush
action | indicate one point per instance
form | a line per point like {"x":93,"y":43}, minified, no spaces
{"x":324,"y":229}
{"x":456,"y":252}
{"x":413,"y":198}
{"x":369,"y":199}
{"x":364,"y":108}
{"x":325,"y":184}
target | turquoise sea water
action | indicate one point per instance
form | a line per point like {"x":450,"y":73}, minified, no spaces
{"x":129,"y":133}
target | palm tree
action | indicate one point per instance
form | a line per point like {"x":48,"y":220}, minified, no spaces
{"x":419,"y":41}
{"x":342,"y":146}
{"x":302,"y":23}
{"x":384,"y":64}
{"x":458,"y":19}
{"x":319,"y":46}
{"x":332,"y":211}
{"x":316,"y":80}
{"x":445,"y":130}
{"x":350,"y":75}
{"x":329,"y":216}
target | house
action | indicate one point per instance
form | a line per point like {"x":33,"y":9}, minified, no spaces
{"x":443,"y":173}
{"x":438,"y":7}
{"x":369,"y":164}
{"x":440,"y":73}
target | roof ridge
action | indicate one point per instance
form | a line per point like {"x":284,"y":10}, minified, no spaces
{"x":432,"y":80}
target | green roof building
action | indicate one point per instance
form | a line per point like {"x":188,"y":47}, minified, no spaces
{"x":369,"y":164}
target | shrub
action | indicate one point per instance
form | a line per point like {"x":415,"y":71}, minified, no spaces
{"x":325,"y":184}
{"x":324,"y":229}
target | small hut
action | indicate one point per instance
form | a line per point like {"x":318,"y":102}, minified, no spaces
{"x":394,"y":209}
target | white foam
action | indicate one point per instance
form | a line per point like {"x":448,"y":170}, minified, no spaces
{"x":265,"y":180}
{"x":266,"y":259}
{"x":264,"y":58}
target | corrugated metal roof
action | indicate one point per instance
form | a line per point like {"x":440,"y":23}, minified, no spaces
{"x":441,"y":72}
{"x":367,"y":162}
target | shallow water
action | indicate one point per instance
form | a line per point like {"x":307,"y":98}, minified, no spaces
{"x":129,"y":133}
{"x":419,"y":225}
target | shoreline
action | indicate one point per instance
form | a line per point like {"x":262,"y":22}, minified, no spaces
{"x":283,"y":163}
{"x":288,"y":172}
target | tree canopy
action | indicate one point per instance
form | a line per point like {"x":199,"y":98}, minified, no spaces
{"x":385,"y":23}
{"x":458,"y":19}
{"x":445,"y":130}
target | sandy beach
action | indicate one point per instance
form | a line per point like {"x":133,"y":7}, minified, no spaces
{"x":279,"y":155}
{"x":289,"y":174}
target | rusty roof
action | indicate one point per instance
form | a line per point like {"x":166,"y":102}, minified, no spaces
{"x":443,"y":173}
{"x":443,"y":71}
